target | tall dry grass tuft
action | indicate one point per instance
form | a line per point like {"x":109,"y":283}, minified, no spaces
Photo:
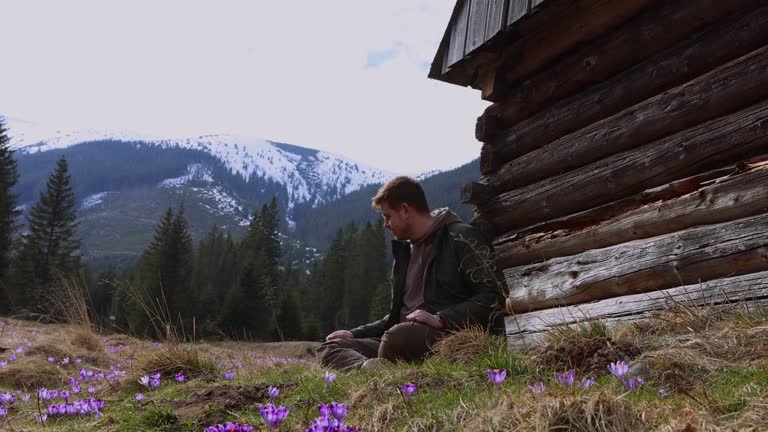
{"x":175,"y":355}
{"x":71,"y":307}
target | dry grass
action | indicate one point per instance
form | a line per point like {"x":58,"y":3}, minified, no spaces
{"x":465,"y":346}
{"x":597,"y":412}
{"x":175,"y":358}
{"x":87,"y":340}
{"x":32,"y":373}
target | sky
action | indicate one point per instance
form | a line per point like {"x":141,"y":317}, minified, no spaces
{"x":343,"y":76}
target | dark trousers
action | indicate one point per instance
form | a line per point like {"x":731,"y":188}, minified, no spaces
{"x":408,"y":341}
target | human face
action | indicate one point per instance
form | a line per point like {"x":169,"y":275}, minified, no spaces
{"x":396,"y":219}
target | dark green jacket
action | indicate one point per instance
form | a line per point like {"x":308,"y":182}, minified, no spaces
{"x":462,"y":283}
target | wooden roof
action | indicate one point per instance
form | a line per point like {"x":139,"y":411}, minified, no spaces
{"x":473,"y":24}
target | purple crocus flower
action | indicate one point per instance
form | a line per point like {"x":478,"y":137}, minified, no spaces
{"x":568,"y":378}
{"x":228,"y":375}
{"x":139,"y":397}
{"x":273,"y":392}
{"x":633,"y":383}
{"x":587,"y":382}
{"x":26,"y":397}
{"x":339,"y":410}
{"x":51,"y":359}
{"x":154,"y":383}
{"x":407,"y":389}
{"x":537,"y":388}
{"x":663,"y":392}
{"x":273,"y":416}
{"x":618,"y":369}
{"x":41,"y":418}
{"x":91,"y":389}
{"x":496,"y":376}
{"x":3,"y":412}
{"x":155,"y":375}
{"x":329,"y":378}
{"x":324,"y":410}
{"x":64,"y":395}
{"x":180,"y":377}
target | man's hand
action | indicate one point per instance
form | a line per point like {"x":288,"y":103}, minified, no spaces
{"x":339,"y":334}
{"x":426,"y":318}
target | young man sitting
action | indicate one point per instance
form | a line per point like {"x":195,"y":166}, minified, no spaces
{"x":443,"y":279}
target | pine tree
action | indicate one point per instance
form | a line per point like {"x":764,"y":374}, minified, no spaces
{"x":48,"y":249}
{"x":165,"y":272}
{"x":331,"y":285}
{"x":8,"y":178}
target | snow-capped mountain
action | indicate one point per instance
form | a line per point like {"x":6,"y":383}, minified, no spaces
{"x":309,"y":176}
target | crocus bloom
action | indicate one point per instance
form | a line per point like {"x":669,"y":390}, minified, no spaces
{"x":587,"y":382}
{"x":155,"y":375}
{"x":3,"y":412}
{"x":139,"y":397}
{"x":663,"y":392}
{"x":339,"y":410}
{"x":180,"y":377}
{"x":91,"y":389}
{"x":329,"y":378}
{"x":407,"y":389}
{"x":496,"y":376}
{"x":538,"y":387}
{"x":273,"y":392}
{"x":26,"y":397}
{"x":324,"y":410}
{"x":154,"y":383}
{"x":633,"y":383}
{"x":41,"y":418}
{"x":65,"y":361}
{"x":567,"y":378}
{"x":144,"y":380}
{"x":51,"y":359}
{"x":273,"y":416}
{"x":229,"y":375}
{"x":618,"y":369}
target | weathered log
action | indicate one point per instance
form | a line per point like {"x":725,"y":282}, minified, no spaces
{"x":726,"y":89}
{"x":734,"y":196}
{"x":711,"y":48}
{"x":749,"y":289}
{"x":685,"y":257}
{"x":633,"y":42}
{"x":541,"y":44}
{"x":713,"y":144}
{"x":594,"y":216}
{"x":476,"y":192}
{"x":488,"y":161}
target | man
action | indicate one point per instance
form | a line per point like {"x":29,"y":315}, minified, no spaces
{"x":443,"y":279}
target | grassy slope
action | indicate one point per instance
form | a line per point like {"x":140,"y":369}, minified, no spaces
{"x":714,"y":362}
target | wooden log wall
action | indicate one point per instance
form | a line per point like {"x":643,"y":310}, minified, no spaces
{"x":631,"y":171}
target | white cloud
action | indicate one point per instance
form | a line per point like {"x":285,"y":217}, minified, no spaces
{"x":292,"y":71}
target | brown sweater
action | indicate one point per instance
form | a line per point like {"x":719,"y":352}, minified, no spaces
{"x":421,"y":251}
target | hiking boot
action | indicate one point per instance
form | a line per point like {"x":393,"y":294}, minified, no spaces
{"x":376,"y":363}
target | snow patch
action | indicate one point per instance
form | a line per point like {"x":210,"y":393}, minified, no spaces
{"x":93,"y":200}
{"x":195,"y":172}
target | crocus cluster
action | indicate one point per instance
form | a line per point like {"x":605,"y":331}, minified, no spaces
{"x":77,"y":408}
{"x":568,"y":378}
{"x":151,"y":381}
{"x":620,"y":370}
{"x":229,"y":427}
{"x":331,"y":419}
{"x":496,"y":376}
{"x":7,"y":399}
{"x":228,"y":375}
{"x":273,"y":415}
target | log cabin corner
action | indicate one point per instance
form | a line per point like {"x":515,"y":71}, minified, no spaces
{"x":624,"y":159}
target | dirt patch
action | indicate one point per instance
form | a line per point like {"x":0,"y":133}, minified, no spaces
{"x":588,"y":354}
{"x":213,"y":405}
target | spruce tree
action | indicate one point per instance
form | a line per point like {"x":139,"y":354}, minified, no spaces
{"x":49,"y":248}
{"x":8,"y":213}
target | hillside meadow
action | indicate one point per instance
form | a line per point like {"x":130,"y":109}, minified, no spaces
{"x":688,"y":369}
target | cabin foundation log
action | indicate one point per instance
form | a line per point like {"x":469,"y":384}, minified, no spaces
{"x":735,"y":196}
{"x":705,"y":147}
{"x":747,"y":290}
{"x":685,"y":257}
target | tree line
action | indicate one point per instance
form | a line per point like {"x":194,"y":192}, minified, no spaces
{"x":220,"y":287}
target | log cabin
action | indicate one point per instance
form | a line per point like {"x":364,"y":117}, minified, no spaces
{"x":624,"y":158}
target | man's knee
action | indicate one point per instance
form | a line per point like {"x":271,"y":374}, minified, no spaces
{"x":408,"y":341}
